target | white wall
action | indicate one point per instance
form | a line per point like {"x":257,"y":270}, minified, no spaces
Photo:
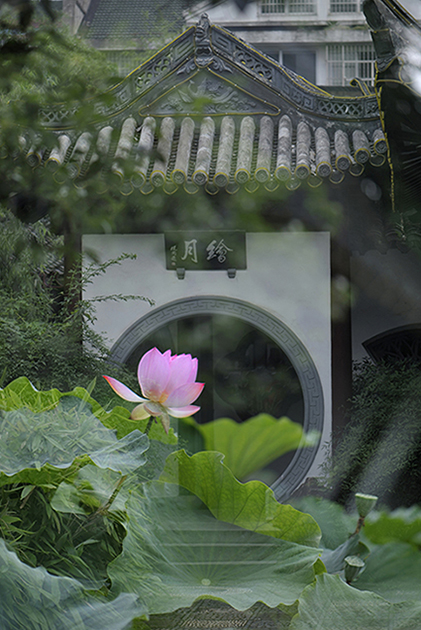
{"x":287,"y":274}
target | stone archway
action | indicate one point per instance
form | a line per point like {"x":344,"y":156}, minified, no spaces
{"x":273,"y":328}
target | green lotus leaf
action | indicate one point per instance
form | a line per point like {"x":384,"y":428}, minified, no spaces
{"x":21,"y":393}
{"x":34,"y":599}
{"x":333,"y":559}
{"x":249,"y":446}
{"x":330,"y":604}
{"x":403,"y":524}
{"x":335,"y":523}
{"x":392,"y":571}
{"x":58,"y":437}
{"x":250,"y":505}
{"x":175,"y":551}
{"x":91,"y":487}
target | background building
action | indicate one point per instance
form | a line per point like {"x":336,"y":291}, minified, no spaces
{"x":325,"y":41}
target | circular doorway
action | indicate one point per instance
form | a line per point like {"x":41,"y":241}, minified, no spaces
{"x":251,"y":363}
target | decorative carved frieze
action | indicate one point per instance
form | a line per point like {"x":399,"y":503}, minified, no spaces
{"x":208,"y":94}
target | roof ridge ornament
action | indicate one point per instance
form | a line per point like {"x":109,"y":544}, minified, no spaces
{"x":203,"y":50}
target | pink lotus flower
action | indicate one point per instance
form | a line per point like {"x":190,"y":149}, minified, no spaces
{"x":167,"y":384}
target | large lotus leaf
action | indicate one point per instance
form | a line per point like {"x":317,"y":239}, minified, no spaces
{"x":403,"y":524}
{"x":330,"y":604}
{"x":58,"y":436}
{"x":249,"y":446}
{"x":175,"y":551}
{"x":392,"y":571}
{"x":250,"y":505}
{"x":21,"y":393}
{"x":31,"y":599}
{"x":335,"y":523}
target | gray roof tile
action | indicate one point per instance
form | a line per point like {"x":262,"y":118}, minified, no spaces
{"x":127,"y":20}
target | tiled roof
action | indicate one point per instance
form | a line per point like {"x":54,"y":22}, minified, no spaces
{"x":128,"y":20}
{"x":208,"y":111}
{"x":223,"y":153}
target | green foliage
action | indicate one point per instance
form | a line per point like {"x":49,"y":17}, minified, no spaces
{"x":59,"y":437}
{"x":43,"y":70}
{"x":251,"y":505}
{"x":79,"y":499}
{"x":403,"y":524}
{"x":249,"y":446}
{"x":332,"y":604}
{"x":335,"y":523}
{"x":175,"y":551}
{"x":380,"y":451}
{"x":41,"y":333}
{"x":33,"y":599}
{"x":47,"y":437}
{"x":392,"y":571}
{"x":391,"y":565}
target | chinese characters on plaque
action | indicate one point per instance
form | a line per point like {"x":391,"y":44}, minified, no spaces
{"x":206,"y":250}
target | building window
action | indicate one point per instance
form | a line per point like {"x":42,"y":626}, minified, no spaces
{"x":349,"y":61}
{"x":288,"y":6}
{"x":302,"y":62}
{"x":339,"y":6}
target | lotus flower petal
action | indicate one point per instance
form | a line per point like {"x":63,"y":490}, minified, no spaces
{"x":154,"y":409}
{"x":184,"y":395}
{"x":181,"y":370}
{"x":122,"y":390}
{"x":140,"y":413}
{"x":153,"y":373}
{"x":193,"y":373}
{"x":183,"y":412}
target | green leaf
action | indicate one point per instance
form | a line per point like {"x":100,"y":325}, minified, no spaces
{"x":58,"y":437}
{"x":335,"y":523}
{"x":333,"y":559}
{"x":330,"y":604}
{"x":392,"y":571}
{"x":33,"y":599}
{"x":249,"y":446}
{"x":21,"y":393}
{"x":175,"y":551}
{"x":403,"y":524}
{"x":91,"y":489}
{"x":250,"y":505}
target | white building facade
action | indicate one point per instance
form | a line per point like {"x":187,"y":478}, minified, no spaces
{"x":325,"y":41}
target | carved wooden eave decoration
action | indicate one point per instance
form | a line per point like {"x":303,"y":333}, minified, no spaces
{"x":209,"y":111}
{"x":397,"y":40}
